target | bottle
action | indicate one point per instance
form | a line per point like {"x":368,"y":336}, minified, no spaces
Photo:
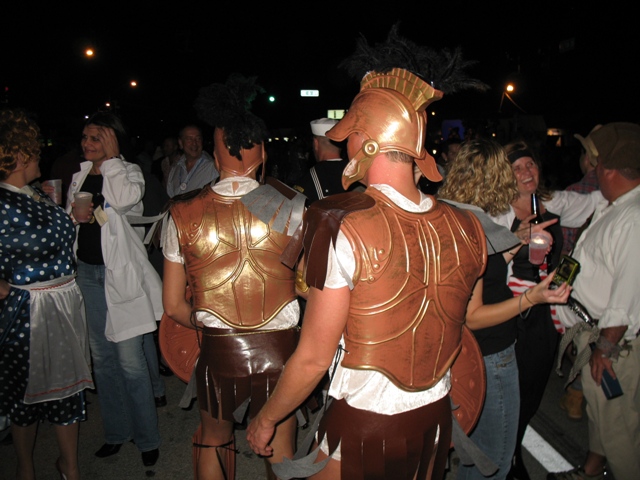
{"x":535,"y":209}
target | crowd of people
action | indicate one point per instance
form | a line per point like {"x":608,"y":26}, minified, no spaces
{"x":373,"y":276}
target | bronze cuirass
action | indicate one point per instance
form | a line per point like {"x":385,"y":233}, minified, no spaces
{"x":232,"y":260}
{"x":414,"y":276}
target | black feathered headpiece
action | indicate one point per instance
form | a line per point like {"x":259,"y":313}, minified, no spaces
{"x":443,"y":70}
{"x":227,"y":106}
{"x":398,"y":80}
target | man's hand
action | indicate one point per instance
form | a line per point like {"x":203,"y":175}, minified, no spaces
{"x":599,"y":363}
{"x":601,"y":359}
{"x":259,"y":434}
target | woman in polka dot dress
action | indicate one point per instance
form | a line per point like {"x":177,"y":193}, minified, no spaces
{"x":44,"y":348}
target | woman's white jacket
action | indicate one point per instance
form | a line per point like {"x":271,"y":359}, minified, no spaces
{"x":133,"y":288}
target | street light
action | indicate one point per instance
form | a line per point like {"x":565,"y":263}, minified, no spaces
{"x":510,"y":88}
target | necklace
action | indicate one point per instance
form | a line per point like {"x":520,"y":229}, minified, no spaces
{"x":184,"y":184}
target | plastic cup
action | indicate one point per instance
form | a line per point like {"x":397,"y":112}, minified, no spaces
{"x":538,"y":246}
{"x":56,"y":196}
{"x":82,"y":208}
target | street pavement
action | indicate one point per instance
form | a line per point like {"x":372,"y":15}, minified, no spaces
{"x":553,"y":437}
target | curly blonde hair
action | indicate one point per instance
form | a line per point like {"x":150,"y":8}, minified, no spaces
{"x":18,"y":134}
{"x":482,"y":176}
{"x":511,"y":148}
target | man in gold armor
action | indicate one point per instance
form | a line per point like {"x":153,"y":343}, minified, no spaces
{"x":390,"y":274}
{"x":224,"y":242}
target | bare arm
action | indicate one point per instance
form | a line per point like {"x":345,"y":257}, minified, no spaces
{"x":324,"y":321}
{"x":483,"y":316}
{"x":509,"y":254}
{"x":174,"y":287}
{"x":4,"y":289}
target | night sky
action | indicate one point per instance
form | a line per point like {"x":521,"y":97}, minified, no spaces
{"x":573,"y":65}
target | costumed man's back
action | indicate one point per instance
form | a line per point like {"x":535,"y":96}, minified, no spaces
{"x":367,"y":257}
{"x":224,"y":242}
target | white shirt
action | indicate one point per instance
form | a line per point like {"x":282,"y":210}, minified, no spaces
{"x":287,"y":317}
{"x":608,"y":284}
{"x":203,"y":172}
{"x":573,"y":208}
{"x":367,"y":389}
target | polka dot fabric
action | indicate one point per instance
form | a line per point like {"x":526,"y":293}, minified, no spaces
{"x":36,"y":239}
{"x":36,"y":244}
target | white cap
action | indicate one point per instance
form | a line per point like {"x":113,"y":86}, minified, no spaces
{"x":320,"y":126}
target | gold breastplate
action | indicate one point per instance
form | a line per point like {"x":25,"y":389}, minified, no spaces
{"x":414,"y":275}
{"x":232,"y":260}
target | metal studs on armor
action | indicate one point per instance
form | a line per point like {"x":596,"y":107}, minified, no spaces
{"x":370,"y":147}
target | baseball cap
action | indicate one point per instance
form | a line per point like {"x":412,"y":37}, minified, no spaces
{"x":589,"y":147}
{"x":320,"y":126}
{"x":617,"y":145}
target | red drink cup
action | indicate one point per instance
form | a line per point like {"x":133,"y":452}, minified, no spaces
{"x":538,"y":246}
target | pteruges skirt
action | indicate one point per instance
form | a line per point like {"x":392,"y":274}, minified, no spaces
{"x":237,"y":371}
{"x":378,"y":447}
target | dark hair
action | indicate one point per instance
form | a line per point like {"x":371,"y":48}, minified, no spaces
{"x":189,"y":125}
{"x":525,"y":150}
{"x":450,"y":141}
{"x":227,"y":106}
{"x":111,"y":120}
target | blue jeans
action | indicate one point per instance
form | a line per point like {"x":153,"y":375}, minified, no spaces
{"x":151,"y":352}
{"x":496,"y":431}
{"x":120,"y":369}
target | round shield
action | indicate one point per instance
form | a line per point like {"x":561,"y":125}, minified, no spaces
{"x":179,"y":346}
{"x":468,"y":382}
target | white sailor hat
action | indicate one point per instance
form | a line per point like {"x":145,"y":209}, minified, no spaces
{"x":320,"y":126}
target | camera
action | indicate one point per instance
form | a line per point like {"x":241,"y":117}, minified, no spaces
{"x":566,"y":272}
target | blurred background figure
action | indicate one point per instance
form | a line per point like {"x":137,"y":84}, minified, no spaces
{"x":64,"y":166}
{"x":170,"y":156}
{"x":144,"y":157}
{"x":325,"y":177}
{"x":587,"y":184}
{"x":154,"y":201}
{"x":450,"y":149}
{"x":195,"y":168}
{"x":297,"y":161}
{"x":44,"y":346}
